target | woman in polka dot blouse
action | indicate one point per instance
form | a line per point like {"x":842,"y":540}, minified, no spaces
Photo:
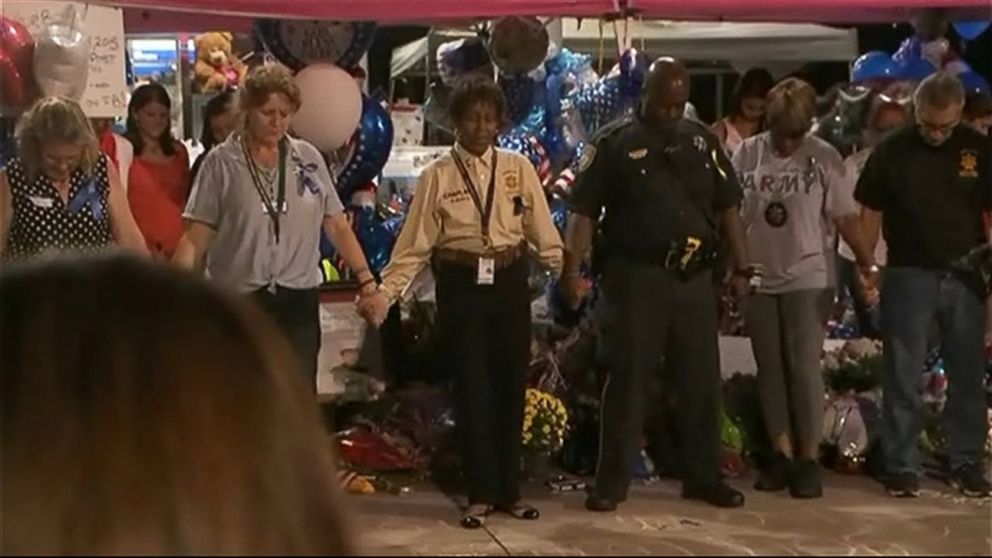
{"x":60,"y":194}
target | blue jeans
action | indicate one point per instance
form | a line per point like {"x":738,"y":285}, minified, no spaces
{"x":912,"y":299}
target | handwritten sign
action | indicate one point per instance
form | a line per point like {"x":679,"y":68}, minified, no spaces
{"x":106,"y":88}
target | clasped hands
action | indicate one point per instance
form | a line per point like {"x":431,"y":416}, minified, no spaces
{"x":373,"y":305}
{"x":868,"y":276}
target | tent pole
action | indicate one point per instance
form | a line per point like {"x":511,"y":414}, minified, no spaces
{"x":427,"y":66}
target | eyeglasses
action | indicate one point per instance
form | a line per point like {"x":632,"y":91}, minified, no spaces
{"x":942,"y":129}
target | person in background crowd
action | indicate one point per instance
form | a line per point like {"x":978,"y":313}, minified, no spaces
{"x":797,"y":195}
{"x":885,"y":117}
{"x":978,"y":115}
{"x":159,"y":179}
{"x":258,"y":203}
{"x":219,"y":120}
{"x":159,"y":425}
{"x":477,"y":212}
{"x":978,"y":112}
{"x":115,"y":147}
{"x":61,"y":194}
{"x":747,"y":110}
{"x":929,"y":185}
{"x":670,"y":198}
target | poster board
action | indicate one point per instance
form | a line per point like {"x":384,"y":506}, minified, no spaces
{"x":106,"y":92}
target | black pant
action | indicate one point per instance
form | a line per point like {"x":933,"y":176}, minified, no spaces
{"x":297,"y":313}
{"x":485,"y":341}
{"x":651,"y":314}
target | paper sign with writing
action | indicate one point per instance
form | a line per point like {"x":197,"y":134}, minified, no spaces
{"x":106,"y":88}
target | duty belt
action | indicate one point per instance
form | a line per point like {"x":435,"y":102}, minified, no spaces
{"x":687,"y":256}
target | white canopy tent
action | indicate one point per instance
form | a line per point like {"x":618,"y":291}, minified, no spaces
{"x":780,"y":47}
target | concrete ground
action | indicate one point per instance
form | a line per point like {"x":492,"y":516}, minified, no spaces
{"x":854,"y":518}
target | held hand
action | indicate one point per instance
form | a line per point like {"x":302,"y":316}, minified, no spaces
{"x":374,"y":308}
{"x":868,"y":277}
{"x":740,"y":287}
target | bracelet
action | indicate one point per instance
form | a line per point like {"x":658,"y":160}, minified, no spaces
{"x":366,"y":282}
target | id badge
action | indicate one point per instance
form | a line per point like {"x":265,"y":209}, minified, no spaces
{"x":487,"y":272}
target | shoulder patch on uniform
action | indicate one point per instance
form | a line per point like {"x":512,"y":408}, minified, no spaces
{"x":587,"y":157}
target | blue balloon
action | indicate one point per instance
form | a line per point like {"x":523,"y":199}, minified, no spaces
{"x":974,"y":83}
{"x":374,"y":237}
{"x":567,"y":62}
{"x":559,"y":212}
{"x":909,"y":50}
{"x":519,"y":92}
{"x":633,"y":67}
{"x":373,"y":141}
{"x":600,"y":103}
{"x":873,"y":65}
{"x":554,"y":125}
{"x":917,"y":69}
{"x":970,"y":30}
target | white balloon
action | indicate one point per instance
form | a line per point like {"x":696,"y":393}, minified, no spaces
{"x":61,"y":57}
{"x":331,"y":106}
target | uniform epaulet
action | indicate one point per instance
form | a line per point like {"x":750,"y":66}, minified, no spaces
{"x":697,"y":127}
{"x":612,"y":127}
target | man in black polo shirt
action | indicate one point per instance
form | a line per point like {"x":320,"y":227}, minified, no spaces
{"x":667,"y":188}
{"x":929,"y":185}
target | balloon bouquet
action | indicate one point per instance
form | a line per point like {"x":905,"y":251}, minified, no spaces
{"x":54,"y":61}
{"x":876,"y":72}
{"x":352,"y":129}
{"x":556,"y":102}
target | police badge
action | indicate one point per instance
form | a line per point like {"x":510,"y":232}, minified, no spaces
{"x":699,"y":142}
{"x":776,"y":215}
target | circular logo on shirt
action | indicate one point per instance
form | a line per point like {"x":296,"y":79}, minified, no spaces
{"x":776,"y":215}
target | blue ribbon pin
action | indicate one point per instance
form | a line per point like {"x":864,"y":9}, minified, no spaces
{"x":304,"y":173}
{"x":87,"y":195}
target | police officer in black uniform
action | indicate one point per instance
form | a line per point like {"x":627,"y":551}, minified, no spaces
{"x":668,"y":191}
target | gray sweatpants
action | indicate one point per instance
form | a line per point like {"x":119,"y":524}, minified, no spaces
{"x":787,"y":332}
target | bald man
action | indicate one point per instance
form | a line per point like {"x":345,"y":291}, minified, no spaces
{"x":671,"y":199}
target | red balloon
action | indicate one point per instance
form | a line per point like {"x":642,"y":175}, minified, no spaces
{"x":16,"y":63}
{"x":13,"y":93}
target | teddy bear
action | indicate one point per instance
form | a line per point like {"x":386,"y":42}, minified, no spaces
{"x":216,"y":67}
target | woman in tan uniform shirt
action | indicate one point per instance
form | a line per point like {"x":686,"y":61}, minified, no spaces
{"x":478,"y":212}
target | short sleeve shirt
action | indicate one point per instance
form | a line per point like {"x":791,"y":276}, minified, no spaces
{"x":657,"y":186}
{"x":245,"y":255}
{"x":931,"y":198}
{"x":790,"y":205}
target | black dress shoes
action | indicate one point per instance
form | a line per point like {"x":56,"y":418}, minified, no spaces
{"x":720,"y":495}
{"x":599,"y":504}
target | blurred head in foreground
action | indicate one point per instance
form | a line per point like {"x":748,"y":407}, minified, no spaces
{"x":144,"y":413}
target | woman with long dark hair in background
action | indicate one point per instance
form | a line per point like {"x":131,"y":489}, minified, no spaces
{"x":219,"y":120}
{"x":159,"y":182}
{"x":746,"y":114}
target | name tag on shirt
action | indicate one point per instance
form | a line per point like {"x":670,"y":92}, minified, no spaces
{"x":46,"y":203}
{"x":487,"y":272}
